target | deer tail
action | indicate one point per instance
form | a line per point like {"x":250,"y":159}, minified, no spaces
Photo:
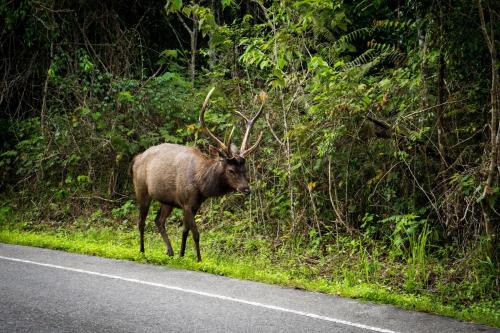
{"x":131,"y":167}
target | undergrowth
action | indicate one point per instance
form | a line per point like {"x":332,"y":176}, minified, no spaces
{"x":353,"y":267}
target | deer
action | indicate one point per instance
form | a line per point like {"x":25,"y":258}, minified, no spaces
{"x":180,"y":176}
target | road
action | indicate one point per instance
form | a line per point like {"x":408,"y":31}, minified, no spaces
{"x":51,"y":291}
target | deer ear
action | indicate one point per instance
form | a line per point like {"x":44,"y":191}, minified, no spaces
{"x":234,"y":150}
{"x":215,"y":152}
{"x":212,"y":151}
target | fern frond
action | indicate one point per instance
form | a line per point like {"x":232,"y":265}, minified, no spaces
{"x":355,"y":35}
{"x":394,"y":57}
{"x":377,"y":53}
{"x":381,"y":54}
{"x":382,"y":47}
{"x":328,"y":51}
{"x":392,"y":25}
{"x":363,"y":59}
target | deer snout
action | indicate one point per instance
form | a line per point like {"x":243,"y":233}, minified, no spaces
{"x":245,"y":190}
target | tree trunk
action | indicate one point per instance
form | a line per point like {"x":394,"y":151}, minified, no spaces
{"x":194,"y":37}
{"x":193,"y":34}
{"x":43,"y":110}
{"x":492,"y":172}
{"x":441,"y":136}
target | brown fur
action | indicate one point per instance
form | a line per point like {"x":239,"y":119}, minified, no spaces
{"x":182,"y":177}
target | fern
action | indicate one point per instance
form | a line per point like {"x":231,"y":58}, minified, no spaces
{"x":354,"y":35}
{"x":377,"y":52}
{"x":391,"y":54}
{"x":363,"y":59}
{"x":391,"y":25}
{"x":380,"y":52}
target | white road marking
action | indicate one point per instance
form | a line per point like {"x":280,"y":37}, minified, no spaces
{"x":202,"y":293}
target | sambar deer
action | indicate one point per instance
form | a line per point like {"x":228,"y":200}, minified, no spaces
{"x":183,"y":177}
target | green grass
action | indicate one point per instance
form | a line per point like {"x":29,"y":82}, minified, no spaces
{"x":253,"y":262}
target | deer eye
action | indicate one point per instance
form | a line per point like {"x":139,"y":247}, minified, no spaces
{"x":231,"y":172}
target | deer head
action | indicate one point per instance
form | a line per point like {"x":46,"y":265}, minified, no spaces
{"x":232,"y":157}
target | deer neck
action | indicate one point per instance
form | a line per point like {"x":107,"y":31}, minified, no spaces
{"x":211,"y":180}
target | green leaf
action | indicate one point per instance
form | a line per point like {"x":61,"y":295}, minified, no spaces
{"x":125,"y":97}
{"x":366,"y":101}
{"x":9,"y":153}
{"x":96,"y":115}
{"x":173,"y":6}
{"x":51,"y":73}
{"x":281,"y":63}
{"x":84,"y":110}
{"x":170,"y":53}
{"x":82,"y":179}
{"x":226,"y":3}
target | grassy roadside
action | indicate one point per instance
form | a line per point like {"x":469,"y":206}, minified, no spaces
{"x":122,"y":244}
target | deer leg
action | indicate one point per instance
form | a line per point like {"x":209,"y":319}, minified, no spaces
{"x":143,"y":213}
{"x":188,"y":216}
{"x":196,"y":238}
{"x":185,"y":232}
{"x":196,"y":235}
{"x":162,"y":215}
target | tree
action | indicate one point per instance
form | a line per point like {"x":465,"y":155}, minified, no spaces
{"x":490,"y":192}
{"x":194,"y":18}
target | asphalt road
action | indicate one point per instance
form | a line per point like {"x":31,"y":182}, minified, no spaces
{"x":50,"y":291}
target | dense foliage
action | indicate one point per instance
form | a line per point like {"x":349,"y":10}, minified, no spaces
{"x":381,"y":124}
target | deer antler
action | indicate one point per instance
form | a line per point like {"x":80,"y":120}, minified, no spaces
{"x":251,"y":149}
{"x":204,"y":127}
{"x":249,"y":124}
{"x":226,"y":148}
